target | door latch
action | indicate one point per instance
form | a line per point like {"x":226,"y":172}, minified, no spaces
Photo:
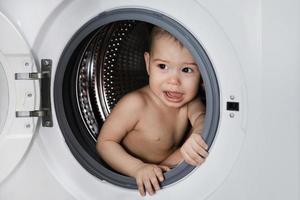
{"x":45,"y":80}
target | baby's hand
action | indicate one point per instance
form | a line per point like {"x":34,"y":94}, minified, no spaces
{"x":148,"y":177}
{"x":194,"y":150}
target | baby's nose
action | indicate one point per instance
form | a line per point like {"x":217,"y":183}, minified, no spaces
{"x":174,"y":79}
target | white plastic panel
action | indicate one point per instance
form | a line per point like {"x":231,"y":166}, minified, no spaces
{"x":4,"y":97}
{"x":16,"y":133}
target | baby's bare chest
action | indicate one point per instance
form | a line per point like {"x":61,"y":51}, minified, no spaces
{"x":156,"y":135}
{"x":166,"y":129}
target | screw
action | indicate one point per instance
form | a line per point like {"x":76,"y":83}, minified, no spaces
{"x":232,"y":97}
{"x":26,"y":64}
{"x":231,"y":115}
{"x":47,"y":123}
{"x":29,"y":95}
{"x":46,"y":62}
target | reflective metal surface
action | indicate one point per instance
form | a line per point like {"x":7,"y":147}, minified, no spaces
{"x":111,"y":65}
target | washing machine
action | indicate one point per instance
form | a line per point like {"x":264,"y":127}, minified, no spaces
{"x":64,"y":64}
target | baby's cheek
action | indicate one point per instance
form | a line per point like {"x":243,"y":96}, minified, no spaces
{"x":193,"y":87}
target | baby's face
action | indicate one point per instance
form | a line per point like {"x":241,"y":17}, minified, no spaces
{"x":174,"y":76}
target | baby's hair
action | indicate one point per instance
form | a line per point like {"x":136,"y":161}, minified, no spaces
{"x":158,"y":32}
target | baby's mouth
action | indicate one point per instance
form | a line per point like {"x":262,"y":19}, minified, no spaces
{"x":173,"y":96}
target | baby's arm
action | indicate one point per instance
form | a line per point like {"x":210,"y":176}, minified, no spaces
{"x":172,"y":160}
{"x":194,"y":150}
{"x":122,"y":120}
{"x":117,"y":125}
{"x":196,"y":115}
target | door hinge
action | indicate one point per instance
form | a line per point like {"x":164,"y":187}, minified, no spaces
{"x":45,"y":80}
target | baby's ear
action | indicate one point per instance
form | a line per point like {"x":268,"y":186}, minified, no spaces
{"x":147,"y":60}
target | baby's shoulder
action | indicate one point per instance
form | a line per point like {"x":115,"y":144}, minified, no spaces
{"x":134,"y":99}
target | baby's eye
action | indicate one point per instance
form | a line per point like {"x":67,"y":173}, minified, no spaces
{"x":187,"y":70}
{"x":162,"y":66}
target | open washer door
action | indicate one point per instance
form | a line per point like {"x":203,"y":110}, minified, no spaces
{"x":19,"y":99}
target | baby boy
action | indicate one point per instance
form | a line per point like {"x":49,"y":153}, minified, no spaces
{"x":142,"y":135}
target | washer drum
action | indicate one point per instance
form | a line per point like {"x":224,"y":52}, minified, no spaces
{"x":112,"y":64}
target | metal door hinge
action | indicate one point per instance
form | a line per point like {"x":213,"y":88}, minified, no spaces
{"x":45,"y":80}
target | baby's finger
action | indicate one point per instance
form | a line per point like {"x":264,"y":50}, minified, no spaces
{"x":188,"y":159}
{"x":159,"y":174}
{"x":200,"y":141}
{"x":140,"y":185}
{"x":195,"y":156}
{"x":148,"y":187}
{"x":164,"y":168}
{"x":155,"y":183}
{"x":199,"y":149}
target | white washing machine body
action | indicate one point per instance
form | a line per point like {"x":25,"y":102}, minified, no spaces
{"x":254,"y":53}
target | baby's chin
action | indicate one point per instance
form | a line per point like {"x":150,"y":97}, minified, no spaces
{"x":175,"y":105}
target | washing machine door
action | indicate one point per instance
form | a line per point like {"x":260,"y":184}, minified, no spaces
{"x":19,"y":98}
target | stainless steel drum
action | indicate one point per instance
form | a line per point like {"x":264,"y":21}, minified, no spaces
{"x":111,"y":65}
